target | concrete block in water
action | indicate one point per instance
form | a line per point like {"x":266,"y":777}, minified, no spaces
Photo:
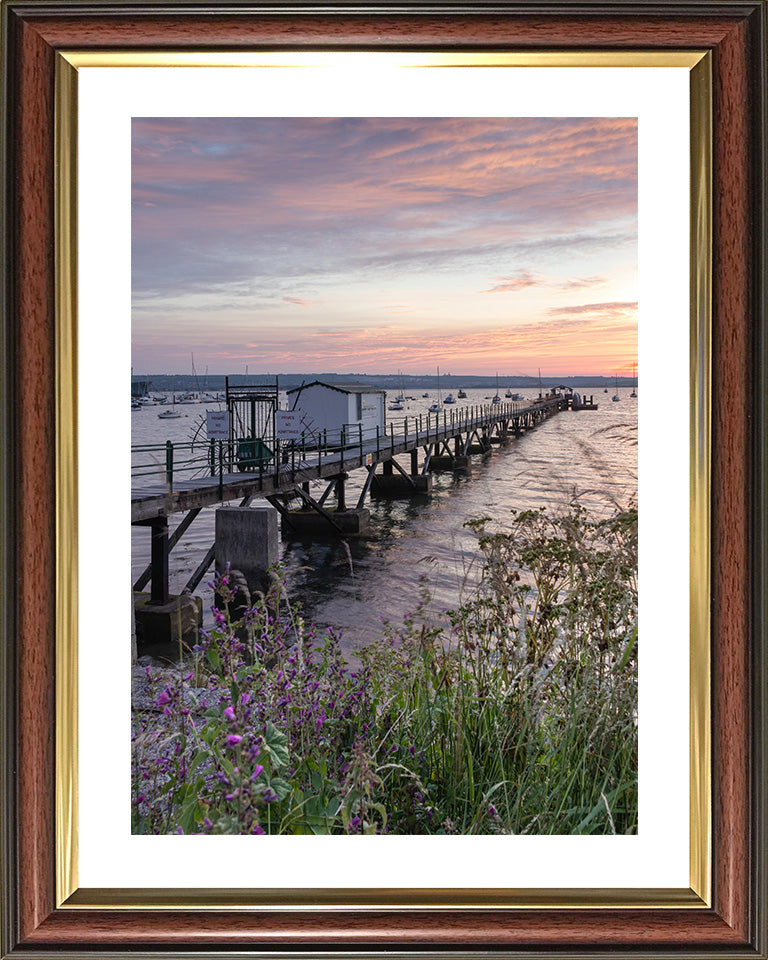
{"x":457,"y":464}
{"x":247,"y":540}
{"x":310,"y":523}
{"x":396,"y":485}
{"x":162,"y":625}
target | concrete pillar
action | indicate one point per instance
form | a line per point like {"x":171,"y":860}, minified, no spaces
{"x":247,"y":539}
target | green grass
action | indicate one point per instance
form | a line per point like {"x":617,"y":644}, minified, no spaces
{"x":515,"y":714}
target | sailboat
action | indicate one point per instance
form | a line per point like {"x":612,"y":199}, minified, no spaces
{"x":172,"y":414}
{"x":496,"y":397}
{"x":397,"y":403}
{"x":461,"y":395}
{"x":616,"y":396}
{"x":634,"y":389}
{"x":437,"y":407}
{"x":400,"y":398}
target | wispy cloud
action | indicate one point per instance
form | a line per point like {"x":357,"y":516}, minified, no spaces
{"x":614,"y":309}
{"x":300,"y":301}
{"x":579,"y":283}
{"x":523,"y":280}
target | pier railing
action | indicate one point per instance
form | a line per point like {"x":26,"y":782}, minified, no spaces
{"x":170,"y":462}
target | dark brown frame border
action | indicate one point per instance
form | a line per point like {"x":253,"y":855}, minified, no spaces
{"x":735,"y":33}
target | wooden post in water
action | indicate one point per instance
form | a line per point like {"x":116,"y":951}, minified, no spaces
{"x":159,"y":593}
{"x":341,"y":500}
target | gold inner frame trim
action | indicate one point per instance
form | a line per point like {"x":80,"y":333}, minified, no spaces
{"x":353,"y":59}
{"x":68,"y":895}
{"x":65,"y":135}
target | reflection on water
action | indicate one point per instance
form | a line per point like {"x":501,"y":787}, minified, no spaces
{"x":355,"y":585}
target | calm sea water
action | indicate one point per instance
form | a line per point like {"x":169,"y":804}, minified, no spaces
{"x":588,"y":456}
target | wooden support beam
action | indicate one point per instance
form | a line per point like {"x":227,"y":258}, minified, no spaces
{"x":323,"y":513}
{"x":159,"y":591}
{"x":326,"y":492}
{"x":400,"y":470}
{"x":197,"y":576}
{"x":281,"y":509}
{"x":366,"y":486}
{"x":174,"y":538}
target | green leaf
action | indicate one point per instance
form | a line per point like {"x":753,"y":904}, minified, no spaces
{"x":198,"y":758}
{"x":630,"y":648}
{"x":281,"y":787}
{"x":189,"y":813}
{"x":276,"y":746}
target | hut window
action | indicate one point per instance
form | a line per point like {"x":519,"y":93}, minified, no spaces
{"x":359,"y":401}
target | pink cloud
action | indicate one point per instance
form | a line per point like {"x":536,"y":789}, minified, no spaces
{"x":523,"y":280}
{"x":579,"y":283}
{"x":615,"y":308}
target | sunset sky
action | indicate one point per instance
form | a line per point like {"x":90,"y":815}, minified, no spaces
{"x":371,"y":245}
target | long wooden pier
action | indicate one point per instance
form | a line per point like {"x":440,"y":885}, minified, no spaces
{"x":472,"y":430}
{"x":222,"y":471}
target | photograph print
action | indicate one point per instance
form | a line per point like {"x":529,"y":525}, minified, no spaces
{"x":384,"y":398}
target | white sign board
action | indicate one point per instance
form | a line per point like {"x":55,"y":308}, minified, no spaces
{"x":288,"y":424}
{"x":217,"y":424}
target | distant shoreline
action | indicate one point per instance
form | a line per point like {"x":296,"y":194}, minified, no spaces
{"x":387,"y":381}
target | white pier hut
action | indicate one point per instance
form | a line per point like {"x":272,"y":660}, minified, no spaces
{"x":339,"y":409}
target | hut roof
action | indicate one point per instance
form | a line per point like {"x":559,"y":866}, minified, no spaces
{"x":341,"y":387}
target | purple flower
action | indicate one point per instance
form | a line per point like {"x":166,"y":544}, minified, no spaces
{"x":229,"y":713}
{"x":257,"y":830}
{"x":233,"y":739}
{"x":163,"y":699}
{"x":257,"y":771}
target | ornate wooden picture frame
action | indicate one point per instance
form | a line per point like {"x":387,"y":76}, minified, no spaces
{"x":42,"y":914}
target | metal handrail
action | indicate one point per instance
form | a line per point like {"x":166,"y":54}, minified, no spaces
{"x":170,"y":460}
